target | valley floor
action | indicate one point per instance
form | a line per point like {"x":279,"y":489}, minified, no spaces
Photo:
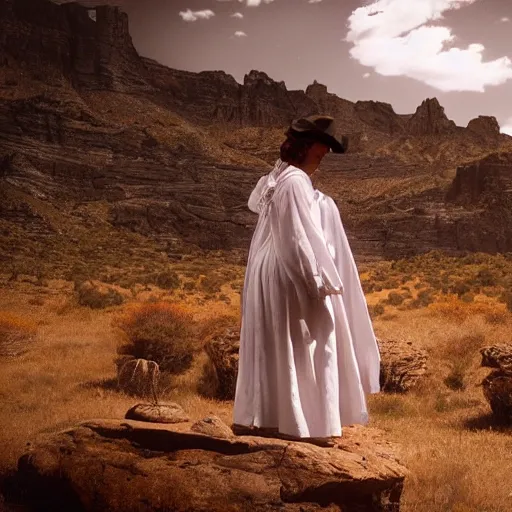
{"x":458,"y":458}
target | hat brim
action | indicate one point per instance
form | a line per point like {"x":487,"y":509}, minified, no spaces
{"x":335,"y":145}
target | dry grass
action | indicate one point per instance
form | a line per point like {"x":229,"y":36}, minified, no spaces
{"x":458,"y":458}
{"x":16,"y":334}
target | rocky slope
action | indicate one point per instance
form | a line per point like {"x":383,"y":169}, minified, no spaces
{"x":100,"y":145}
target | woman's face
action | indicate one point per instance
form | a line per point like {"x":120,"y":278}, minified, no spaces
{"x":316,"y":154}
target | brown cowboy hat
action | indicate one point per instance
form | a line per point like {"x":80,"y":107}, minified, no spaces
{"x":321,"y":129}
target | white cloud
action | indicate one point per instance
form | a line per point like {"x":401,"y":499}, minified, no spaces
{"x":508,"y":127}
{"x":238,"y":15}
{"x":366,"y":75}
{"x":505,"y":19}
{"x":239,"y":33}
{"x":396,"y":39}
{"x":190,"y":15}
{"x":314,"y":1}
{"x":255,"y":3}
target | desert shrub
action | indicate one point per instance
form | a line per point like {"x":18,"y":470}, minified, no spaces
{"x":224,"y":298}
{"x":212,"y":283}
{"x":189,"y":286}
{"x":460,"y":352}
{"x":468,"y":297}
{"x":159,"y":332}
{"x":452,"y":307}
{"x":391,"y":284}
{"x":395,"y":298}
{"x":424,"y":299}
{"x":368,"y":286}
{"x":97,"y":296}
{"x":16,"y":334}
{"x":485,"y":277}
{"x":376,"y":310}
{"x":167,"y":280}
{"x":138,"y":377}
{"x":456,"y":378}
{"x":506,"y":298}
{"x":36,"y":301}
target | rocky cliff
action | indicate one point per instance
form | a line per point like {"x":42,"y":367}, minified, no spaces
{"x":98,"y":144}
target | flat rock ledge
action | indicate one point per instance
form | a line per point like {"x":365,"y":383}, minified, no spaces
{"x":133,"y":466}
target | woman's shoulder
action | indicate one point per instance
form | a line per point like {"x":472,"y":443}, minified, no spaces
{"x":292,"y":177}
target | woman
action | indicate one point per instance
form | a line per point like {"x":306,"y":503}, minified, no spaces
{"x":308,"y":353}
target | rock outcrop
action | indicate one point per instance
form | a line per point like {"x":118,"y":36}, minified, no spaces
{"x":402,"y":365}
{"x":380,"y":116}
{"x":92,"y":53}
{"x":483,"y":182}
{"x":497,"y":386}
{"x":134,"y":466}
{"x":430,"y":119}
{"x":223,"y":352}
{"x":485,"y":126}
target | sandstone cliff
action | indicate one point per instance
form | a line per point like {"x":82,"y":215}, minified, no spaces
{"x":98,"y":144}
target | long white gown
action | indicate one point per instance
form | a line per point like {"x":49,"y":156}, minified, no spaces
{"x":308,"y":353}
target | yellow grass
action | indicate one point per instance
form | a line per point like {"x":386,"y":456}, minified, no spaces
{"x":459,"y":460}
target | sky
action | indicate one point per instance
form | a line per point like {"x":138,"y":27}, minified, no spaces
{"x":397,"y":51}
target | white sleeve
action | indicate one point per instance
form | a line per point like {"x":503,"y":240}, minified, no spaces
{"x":299,"y":239}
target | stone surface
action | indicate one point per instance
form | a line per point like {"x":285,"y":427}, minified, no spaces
{"x":212,"y":426}
{"x":497,"y":386}
{"x":402,"y":365}
{"x":131,"y":466}
{"x":157,"y":413}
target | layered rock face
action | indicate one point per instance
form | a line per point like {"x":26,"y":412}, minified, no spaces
{"x":484,"y":189}
{"x":91,"y":53}
{"x":173,"y":155}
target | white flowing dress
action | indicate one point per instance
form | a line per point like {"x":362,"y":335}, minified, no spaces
{"x":308,"y":353}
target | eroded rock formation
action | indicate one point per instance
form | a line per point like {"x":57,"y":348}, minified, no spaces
{"x":128,"y":465}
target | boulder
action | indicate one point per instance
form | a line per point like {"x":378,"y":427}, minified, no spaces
{"x":157,"y":413}
{"x":497,"y":386}
{"x":131,"y":466}
{"x":497,"y":356}
{"x":402,"y":365}
{"x":223,"y":353}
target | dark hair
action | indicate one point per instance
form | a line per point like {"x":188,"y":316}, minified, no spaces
{"x":294,"y":150}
